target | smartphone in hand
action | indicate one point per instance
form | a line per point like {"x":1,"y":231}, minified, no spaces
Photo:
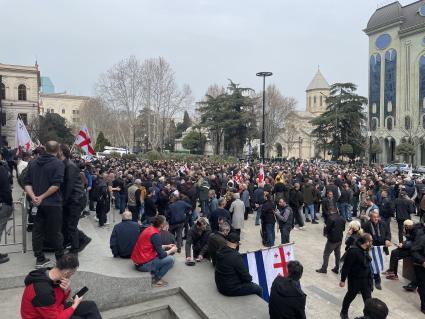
{"x":81,"y":292}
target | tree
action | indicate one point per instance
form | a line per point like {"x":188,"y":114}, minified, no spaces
{"x":52,"y":127}
{"x":343,"y":122}
{"x":277,"y":109}
{"x":195,"y":142}
{"x":181,"y":127}
{"x":101,"y":142}
{"x":347,"y":150}
{"x":406,"y":149}
{"x":229,"y":116}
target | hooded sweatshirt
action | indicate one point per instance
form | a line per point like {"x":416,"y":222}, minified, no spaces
{"x":43,"y":298}
{"x":44,"y":172}
{"x":287,"y":300}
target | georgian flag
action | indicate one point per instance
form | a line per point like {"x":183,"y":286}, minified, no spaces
{"x":22,"y":138}
{"x":84,"y":142}
{"x":377,"y":255}
{"x":265,"y":265}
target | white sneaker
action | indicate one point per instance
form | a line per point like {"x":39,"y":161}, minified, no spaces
{"x":302,"y":228}
{"x":96,"y":219}
{"x":107,"y":223}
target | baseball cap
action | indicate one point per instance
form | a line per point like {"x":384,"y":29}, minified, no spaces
{"x":233,"y":238}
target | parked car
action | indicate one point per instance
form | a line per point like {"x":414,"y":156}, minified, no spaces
{"x":419,"y":170}
{"x":397,"y":167}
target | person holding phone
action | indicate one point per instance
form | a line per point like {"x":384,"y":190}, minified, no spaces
{"x":47,"y":290}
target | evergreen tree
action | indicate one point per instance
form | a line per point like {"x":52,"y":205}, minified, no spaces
{"x":343,"y":121}
{"x":181,"y":127}
{"x":101,"y":142}
{"x":52,"y":127}
{"x":228,"y":116}
{"x":195,"y":142}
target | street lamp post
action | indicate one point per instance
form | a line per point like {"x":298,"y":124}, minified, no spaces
{"x":263,"y":132}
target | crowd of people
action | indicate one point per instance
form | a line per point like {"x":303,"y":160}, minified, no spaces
{"x":202,"y":207}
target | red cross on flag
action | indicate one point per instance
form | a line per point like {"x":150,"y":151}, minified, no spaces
{"x":22,"y":138}
{"x":84,"y":142}
{"x":265,"y":265}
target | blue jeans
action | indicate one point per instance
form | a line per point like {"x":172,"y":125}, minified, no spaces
{"x":270,"y":234}
{"x":309,"y":209}
{"x":345,"y":210}
{"x":258,"y":215}
{"x":158,"y":267}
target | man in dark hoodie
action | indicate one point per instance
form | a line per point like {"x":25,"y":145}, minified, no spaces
{"x":73,"y":203}
{"x":231,"y":275}
{"x":42,"y":183}
{"x":46,"y":292}
{"x":287,"y":300}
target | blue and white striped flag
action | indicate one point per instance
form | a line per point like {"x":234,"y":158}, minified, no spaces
{"x":265,"y":265}
{"x":377,"y":263}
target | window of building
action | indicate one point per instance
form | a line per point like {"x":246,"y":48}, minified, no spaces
{"x":22,"y":92}
{"x":390,"y":91}
{"x":321,"y":100}
{"x":314,"y":101}
{"x":2,"y":91}
{"x":407,"y":122}
{"x":24,"y":117}
{"x":309,"y":101}
{"x":63,"y":111}
{"x":3,"y":118}
{"x":389,"y":124}
{"x":373,"y":124}
{"x":75,"y":112}
{"x":375,"y":83}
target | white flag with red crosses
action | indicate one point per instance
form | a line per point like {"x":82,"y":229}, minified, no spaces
{"x":84,"y":142}
{"x":265,"y":265}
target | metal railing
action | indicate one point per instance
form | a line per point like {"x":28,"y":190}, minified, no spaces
{"x":12,"y":229}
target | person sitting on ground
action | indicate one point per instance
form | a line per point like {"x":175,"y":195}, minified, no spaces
{"x":47,"y":289}
{"x":231,"y":274}
{"x":287,"y":300}
{"x":167,"y":238}
{"x":198,"y":238}
{"x":150,"y":256}
{"x":374,"y":308}
{"x":124,"y":236}
{"x":217,"y":240}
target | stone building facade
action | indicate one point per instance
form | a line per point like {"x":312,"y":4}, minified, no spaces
{"x":19,"y":93}
{"x":397,"y":79}
{"x":67,"y":106}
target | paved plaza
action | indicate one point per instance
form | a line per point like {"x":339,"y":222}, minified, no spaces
{"x":324,"y":296}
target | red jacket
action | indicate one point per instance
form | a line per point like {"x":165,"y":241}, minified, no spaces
{"x":43,"y":299}
{"x":144,"y":251}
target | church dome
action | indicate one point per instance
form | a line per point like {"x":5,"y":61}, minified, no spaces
{"x":318,"y":83}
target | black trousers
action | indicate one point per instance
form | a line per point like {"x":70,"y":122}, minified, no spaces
{"x":245,"y":216}
{"x":354,"y":287}
{"x":245,"y":290}
{"x":135,"y":212}
{"x":86,"y":310}
{"x":420,"y":278}
{"x":396,"y":255}
{"x":48,"y":224}
{"x":400,"y":230}
{"x":71,"y":234}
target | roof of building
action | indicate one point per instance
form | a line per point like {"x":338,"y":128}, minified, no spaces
{"x":21,"y":68}
{"x":394,"y":14}
{"x":64,"y":96}
{"x":318,"y":83}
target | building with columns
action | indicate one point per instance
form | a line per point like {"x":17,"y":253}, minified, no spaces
{"x":19,"y":94}
{"x":296,"y":140}
{"x":397,"y":79}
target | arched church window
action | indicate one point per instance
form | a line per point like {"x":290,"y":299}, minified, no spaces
{"x":314,"y":101}
{"x":2,"y":92}
{"x":390,"y":86}
{"x":407,"y":122}
{"x":373,"y":124}
{"x":309,"y":101}
{"x":389,"y":123}
{"x":321,"y":100}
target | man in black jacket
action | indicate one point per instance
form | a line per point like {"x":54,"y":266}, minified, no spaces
{"x":197,"y":237}
{"x":381,"y":236}
{"x":287,"y":300}
{"x":42,"y":184}
{"x":73,"y":203}
{"x":124,"y":236}
{"x":6,"y":202}
{"x":334,"y":231}
{"x":231,"y":275}
{"x":404,"y":207}
{"x":220,"y":215}
{"x":356,"y":268}
{"x":387,"y":208}
{"x":418,"y":255}
{"x":296,"y":202}
{"x":217,"y":240}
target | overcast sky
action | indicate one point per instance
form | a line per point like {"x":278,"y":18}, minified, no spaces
{"x":206,"y":41}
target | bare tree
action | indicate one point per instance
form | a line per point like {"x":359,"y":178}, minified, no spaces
{"x":277,"y":109}
{"x":121,"y":87}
